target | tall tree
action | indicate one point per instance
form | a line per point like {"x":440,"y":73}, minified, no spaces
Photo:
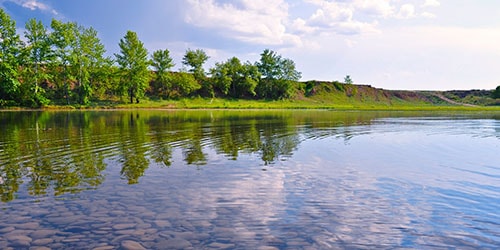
{"x":162,"y":63}
{"x":38,"y":56}
{"x":10,"y":47}
{"x":63,"y":38}
{"x":90,"y":61}
{"x":133,"y":61}
{"x":79,"y":59}
{"x":195,"y":59}
{"x":278,"y":74}
{"x":268,"y":64}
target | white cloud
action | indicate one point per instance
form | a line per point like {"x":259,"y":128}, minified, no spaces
{"x":428,"y":15}
{"x":431,"y":3}
{"x":406,"y":11}
{"x":381,"y":8}
{"x":34,"y":5}
{"x":254,"y":21}
{"x":331,"y":13}
{"x":270,"y":22}
{"x":355,"y":27}
{"x":300,"y":26}
{"x":337,"y":17}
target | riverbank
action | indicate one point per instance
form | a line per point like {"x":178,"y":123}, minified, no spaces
{"x":219,"y":103}
{"x":316,"y":95}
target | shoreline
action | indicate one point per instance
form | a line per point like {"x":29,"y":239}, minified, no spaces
{"x":258,"y":107}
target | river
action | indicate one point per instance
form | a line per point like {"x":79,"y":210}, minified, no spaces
{"x":248,"y":179}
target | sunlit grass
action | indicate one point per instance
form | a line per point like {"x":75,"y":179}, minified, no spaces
{"x":220,"y":103}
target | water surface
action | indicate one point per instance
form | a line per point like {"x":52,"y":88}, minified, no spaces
{"x":249,"y":179}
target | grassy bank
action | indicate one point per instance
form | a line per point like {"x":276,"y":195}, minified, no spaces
{"x":321,"y":95}
{"x":219,"y":103}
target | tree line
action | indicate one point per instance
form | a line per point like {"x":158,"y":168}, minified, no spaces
{"x":66,"y":64}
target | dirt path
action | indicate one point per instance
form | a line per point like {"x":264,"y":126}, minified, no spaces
{"x":440,"y":96}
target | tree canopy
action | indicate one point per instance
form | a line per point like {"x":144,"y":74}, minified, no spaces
{"x":235,"y":79}
{"x":278,"y":74}
{"x":10,"y":49}
{"x":133,"y":61}
{"x":162,"y":63}
{"x":38,"y":54}
{"x":195,"y":60}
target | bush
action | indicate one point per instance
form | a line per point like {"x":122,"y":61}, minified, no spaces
{"x":496,"y":93}
{"x":7,"y":103}
{"x":339,"y":86}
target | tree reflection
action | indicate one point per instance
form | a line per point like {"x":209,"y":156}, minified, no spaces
{"x":193,"y":153}
{"x":49,"y":153}
{"x":67,"y":152}
{"x":10,"y":172}
{"x":133,"y":144}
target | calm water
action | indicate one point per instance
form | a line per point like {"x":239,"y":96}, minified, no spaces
{"x":249,"y":180}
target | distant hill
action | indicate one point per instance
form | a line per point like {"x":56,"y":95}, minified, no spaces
{"x":352,"y":94}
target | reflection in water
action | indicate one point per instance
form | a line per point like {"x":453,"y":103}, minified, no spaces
{"x":283,"y":179}
{"x":65,"y":151}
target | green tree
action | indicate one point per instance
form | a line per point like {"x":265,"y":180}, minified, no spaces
{"x":63,"y":38}
{"x":496,"y":93}
{"x":234,"y":78}
{"x":279,"y":75}
{"x":194,"y":59}
{"x":39,"y":55}
{"x":183,"y":84}
{"x":10,"y":48}
{"x":347,"y":79}
{"x":133,"y":61}
{"x":162,"y":63}
{"x":106,"y":80}
{"x":89,"y":62}
{"x":79,"y":58}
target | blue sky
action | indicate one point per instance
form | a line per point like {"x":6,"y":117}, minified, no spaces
{"x":392,"y":44}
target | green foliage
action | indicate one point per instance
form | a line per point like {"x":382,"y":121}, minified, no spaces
{"x":90,"y":61}
{"x":235,"y":79}
{"x":348,"y":80}
{"x":162,"y":63}
{"x":273,"y":66}
{"x":78,"y":61}
{"x":133,"y":61}
{"x":195,"y":60}
{"x":496,"y":93}
{"x":309,"y":88}
{"x":279,"y":75}
{"x":183,"y":84}
{"x":63,"y":38}
{"x":339,"y":86}
{"x":39,"y":55}
{"x":10,"y":48}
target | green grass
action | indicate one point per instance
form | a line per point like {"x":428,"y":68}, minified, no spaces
{"x":318,"y":103}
